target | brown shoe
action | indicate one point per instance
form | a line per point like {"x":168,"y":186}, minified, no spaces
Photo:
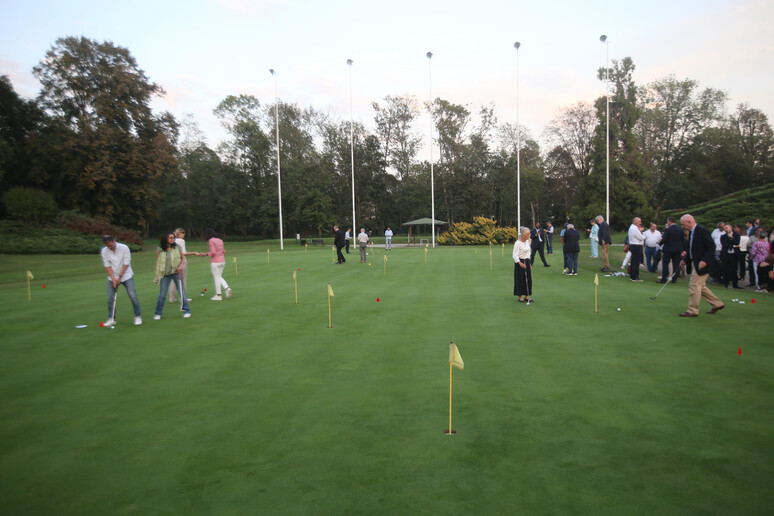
{"x":688,"y":314}
{"x":716,"y":309}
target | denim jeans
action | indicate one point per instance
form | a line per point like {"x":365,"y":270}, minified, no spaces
{"x":650,"y":258}
{"x":164,"y":287}
{"x":572,"y":262}
{"x":130,"y":291}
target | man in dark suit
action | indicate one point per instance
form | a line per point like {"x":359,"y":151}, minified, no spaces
{"x":604,"y":241}
{"x":339,"y":242}
{"x":538,"y":241}
{"x":672,"y":242}
{"x":701,"y":252}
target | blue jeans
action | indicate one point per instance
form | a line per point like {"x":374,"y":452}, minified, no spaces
{"x":164,"y":287}
{"x":130,"y":291}
{"x":572,"y":262}
{"x":650,"y":258}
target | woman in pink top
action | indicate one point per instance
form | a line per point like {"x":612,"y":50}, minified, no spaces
{"x":217,"y":256}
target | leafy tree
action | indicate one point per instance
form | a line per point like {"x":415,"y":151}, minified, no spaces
{"x":757,"y":142}
{"x":115,"y":154}
{"x":30,"y":205}
{"x":628,"y":180}
{"x":674,"y":112}
{"x":394,"y":130}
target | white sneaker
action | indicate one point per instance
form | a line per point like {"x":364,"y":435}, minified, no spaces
{"x":138,"y":321}
{"x":186,"y":315}
{"x":228,"y":292}
{"x":156,"y":317}
{"x":216,"y":298}
{"x":110,"y":322}
{"x":189,"y":299}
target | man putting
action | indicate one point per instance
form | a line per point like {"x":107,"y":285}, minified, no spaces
{"x":701,"y":252}
{"x":117,"y":260}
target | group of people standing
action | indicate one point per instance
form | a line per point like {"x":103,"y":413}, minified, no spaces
{"x":171,"y":272}
{"x":341,"y":241}
{"x":688,"y":244}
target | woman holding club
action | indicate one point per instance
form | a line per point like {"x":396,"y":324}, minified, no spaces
{"x":169,"y":262}
{"x":522,"y":272}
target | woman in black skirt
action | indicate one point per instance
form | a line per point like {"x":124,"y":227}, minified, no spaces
{"x":522,"y":273}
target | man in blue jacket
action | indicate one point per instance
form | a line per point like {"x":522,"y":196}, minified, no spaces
{"x":701,"y":252}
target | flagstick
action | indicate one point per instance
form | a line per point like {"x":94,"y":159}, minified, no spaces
{"x":295,"y":283}
{"x":236,"y":268}
{"x":267,"y":257}
{"x":595,"y":299}
{"x":450,"y":431}
{"x":29,"y":292}
{"x":329,"y":307}
{"x":425,"y":254}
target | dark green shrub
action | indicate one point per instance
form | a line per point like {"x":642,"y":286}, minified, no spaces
{"x":30,"y":205}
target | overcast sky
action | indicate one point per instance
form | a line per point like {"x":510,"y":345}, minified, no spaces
{"x":200,"y":51}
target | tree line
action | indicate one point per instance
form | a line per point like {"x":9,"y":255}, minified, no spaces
{"x":91,"y":142}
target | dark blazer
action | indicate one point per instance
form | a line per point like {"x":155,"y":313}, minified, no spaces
{"x":571,"y":241}
{"x":604,"y":233}
{"x":702,"y":250}
{"x":727,"y":244}
{"x":533,"y":234}
{"x":672,"y":239}
{"x":338,"y":240}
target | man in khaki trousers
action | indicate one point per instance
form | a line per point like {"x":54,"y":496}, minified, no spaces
{"x":701,"y":252}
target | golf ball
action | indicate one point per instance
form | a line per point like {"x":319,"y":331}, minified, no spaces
{"x":619,"y":309}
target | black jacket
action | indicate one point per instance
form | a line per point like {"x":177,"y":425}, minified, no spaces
{"x":338,"y":239}
{"x":571,"y":241}
{"x":534,"y":234}
{"x":604,"y":233}
{"x":702,"y":250}
{"x":672,"y":239}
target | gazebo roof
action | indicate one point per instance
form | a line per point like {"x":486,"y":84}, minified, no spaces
{"x":427,"y":221}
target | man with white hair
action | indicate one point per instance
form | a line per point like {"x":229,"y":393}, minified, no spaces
{"x":604,"y":241}
{"x":701,"y":252}
{"x":636,"y":241}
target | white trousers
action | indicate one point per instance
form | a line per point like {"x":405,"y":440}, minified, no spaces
{"x":217,"y":274}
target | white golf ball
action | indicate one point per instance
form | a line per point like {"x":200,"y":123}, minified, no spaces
{"x":619,"y":309}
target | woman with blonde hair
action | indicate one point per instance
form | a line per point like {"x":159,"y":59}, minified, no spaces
{"x":522,"y":272}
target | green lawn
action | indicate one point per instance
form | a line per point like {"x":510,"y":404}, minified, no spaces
{"x":254,"y":406}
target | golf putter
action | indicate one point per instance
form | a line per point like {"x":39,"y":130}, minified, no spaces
{"x":180,"y":291}
{"x":115,"y":302}
{"x":665,"y":284}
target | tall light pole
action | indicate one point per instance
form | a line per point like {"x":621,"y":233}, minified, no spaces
{"x":432,"y":178}
{"x":279,"y":180}
{"x":352,"y":148}
{"x":518,"y":143}
{"x":603,"y":39}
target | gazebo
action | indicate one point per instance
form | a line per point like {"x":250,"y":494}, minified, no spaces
{"x":421,"y":222}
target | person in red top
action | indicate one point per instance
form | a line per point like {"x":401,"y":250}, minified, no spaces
{"x":217,"y":256}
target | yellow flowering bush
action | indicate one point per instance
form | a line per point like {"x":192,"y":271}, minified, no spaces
{"x":481,"y":232}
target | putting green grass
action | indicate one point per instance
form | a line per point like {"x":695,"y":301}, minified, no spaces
{"x":255,"y":406}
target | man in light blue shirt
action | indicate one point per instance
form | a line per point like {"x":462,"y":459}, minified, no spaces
{"x":388,"y":239}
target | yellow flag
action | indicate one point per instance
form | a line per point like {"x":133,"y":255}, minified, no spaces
{"x":455,"y":358}
{"x":294,"y":274}
{"x":596,"y":280}
{"x":330,"y":290}
{"x":29,"y":275}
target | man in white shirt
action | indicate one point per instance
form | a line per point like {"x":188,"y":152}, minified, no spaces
{"x":388,"y":239}
{"x":549,"y":238}
{"x":117,"y":260}
{"x":362,"y":239}
{"x":636,"y":241}
{"x":347,"y":238}
{"x":652,"y":238}
{"x":716,"y":234}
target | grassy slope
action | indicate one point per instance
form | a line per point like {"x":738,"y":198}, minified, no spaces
{"x":255,"y":406}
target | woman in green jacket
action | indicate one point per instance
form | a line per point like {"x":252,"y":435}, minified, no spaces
{"x":169,"y":261}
